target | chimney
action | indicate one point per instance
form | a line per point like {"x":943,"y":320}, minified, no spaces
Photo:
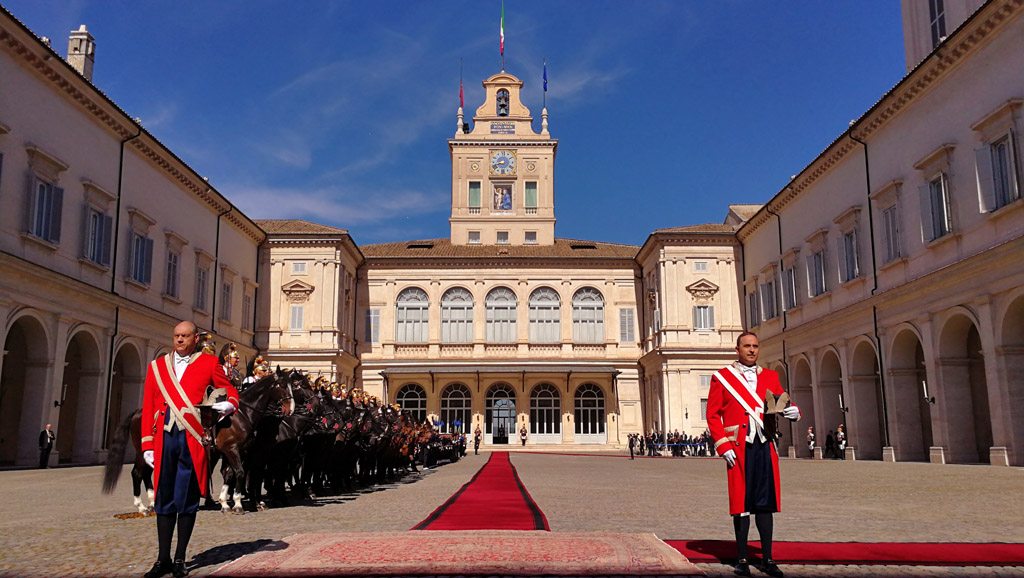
{"x":82,"y":51}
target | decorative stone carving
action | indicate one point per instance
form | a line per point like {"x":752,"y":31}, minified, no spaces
{"x":297,"y":291}
{"x":702,"y":290}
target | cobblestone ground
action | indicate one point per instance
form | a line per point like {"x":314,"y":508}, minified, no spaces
{"x":57,"y":523}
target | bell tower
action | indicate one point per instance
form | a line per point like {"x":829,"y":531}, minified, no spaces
{"x":503,"y":190}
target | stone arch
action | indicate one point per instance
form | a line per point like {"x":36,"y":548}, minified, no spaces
{"x":411,"y":397}
{"x":81,"y":394}
{"x":500,"y":414}
{"x":960,"y":368}
{"x":23,"y":387}
{"x":1010,"y":362}
{"x":456,"y":408}
{"x":126,"y":382}
{"x":910,"y":415}
{"x":865,"y":425}
{"x":828,"y":389}
{"x":803,"y":396}
{"x":590,"y":413}
{"x":545,"y":414}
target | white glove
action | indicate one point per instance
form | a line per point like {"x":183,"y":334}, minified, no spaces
{"x":224,"y":407}
{"x":148,"y":456}
{"x":730,"y":458}
{"x":792,"y":412}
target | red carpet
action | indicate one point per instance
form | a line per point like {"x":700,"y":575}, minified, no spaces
{"x":494,"y":499}
{"x":890,"y":553}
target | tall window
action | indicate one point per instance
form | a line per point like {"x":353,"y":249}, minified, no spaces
{"x":789,"y":287}
{"x":172,"y":274}
{"x":225,"y":300}
{"x":97,"y":241}
{"x":627,"y":325}
{"x":142,"y":259}
{"x":501,"y":316}
{"x":372,"y":334}
{"x":848,"y":257}
{"x":47,"y":202}
{"x":754,"y":316}
{"x":413,"y":399}
{"x":412,"y":317}
{"x":296,"y":321}
{"x":457,"y":316}
{"x":589,"y":410}
{"x":890,"y":233}
{"x":545,"y":410}
{"x":531,"y":198}
{"x":768,"y":307}
{"x":816,"y":273}
{"x":937,"y":21}
{"x":202,"y":287}
{"x":474,"y":197}
{"x":935,"y":221}
{"x":247,"y":312}
{"x":997,"y":173}
{"x":456,"y":408}
{"x":588,"y":316}
{"x":703,"y":317}
{"x":545,"y":316}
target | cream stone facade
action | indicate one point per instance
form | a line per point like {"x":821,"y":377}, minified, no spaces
{"x":886,"y":278}
{"x":103,"y":236}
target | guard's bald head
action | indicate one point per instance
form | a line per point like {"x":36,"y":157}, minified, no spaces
{"x":185,"y":338}
{"x":185,"y":327}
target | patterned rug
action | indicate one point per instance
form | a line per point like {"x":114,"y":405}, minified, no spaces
{"x":861,"y":553}
{"x":487,"y":553}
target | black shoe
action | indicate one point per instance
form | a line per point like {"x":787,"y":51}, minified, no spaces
{"x":742,"y":568}
{"x":772,"y":569}
{"x":160,"y":568}
{"x":180,"y":569}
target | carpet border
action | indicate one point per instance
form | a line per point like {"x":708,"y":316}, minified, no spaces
{"x":540,"y":521}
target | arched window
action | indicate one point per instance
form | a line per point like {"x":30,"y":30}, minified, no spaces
{"x":589,"y":414}
{"x":456,"y":409}
{"x":412,"y":314}
{"x":545,"y":316}
{"x":588,"y":316}
{"x":500,"y":413}
{"x":501,"y":316}
{"x":413,"y":399}
{"x":457,"y":316}
{"x":503,"y":102}
{"x":545,"y":411}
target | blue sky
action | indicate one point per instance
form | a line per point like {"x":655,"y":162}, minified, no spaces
{"x":338,"y":112}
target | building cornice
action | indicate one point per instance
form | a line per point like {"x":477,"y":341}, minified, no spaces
{"x":974,"y":33}
{"x":22,"y":44}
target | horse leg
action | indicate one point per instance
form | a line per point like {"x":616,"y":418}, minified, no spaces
{"x":235,"y":461}
{"x":137,"y":489}
{"x":228,"y":476}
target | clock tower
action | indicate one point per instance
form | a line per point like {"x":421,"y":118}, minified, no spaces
{"x":503,"y":190}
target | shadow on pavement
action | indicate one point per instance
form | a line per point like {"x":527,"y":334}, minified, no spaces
{"x":220,"y":555}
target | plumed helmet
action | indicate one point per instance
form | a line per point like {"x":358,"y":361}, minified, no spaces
{"x":207,"y":344}
{"x":261,"y":363}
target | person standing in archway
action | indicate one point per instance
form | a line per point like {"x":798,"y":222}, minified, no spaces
{"x":171,"y":440}
{"x":522,"y":435}
{"x":736,"y":403}
{"x":46,"y":439}
{"x":477,"y":437}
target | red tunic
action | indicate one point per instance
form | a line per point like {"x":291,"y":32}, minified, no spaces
{"x":203,"y":370}
{"x":728,"y":423}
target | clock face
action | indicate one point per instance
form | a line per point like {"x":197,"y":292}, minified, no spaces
{"x":503,"y":162}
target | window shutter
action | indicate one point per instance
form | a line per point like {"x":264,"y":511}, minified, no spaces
{"x":986,"y":180}
{"x":107,"y":229}
{"x":1015,"y":174}
{"x":927,"y":227}
{"x":711,"y":316}
{"x":56,"y":206}
{"x":622,"y":326}
{"x":811,"y":282}
{"x":787,"y":289}
{"x":376,"y":326}
{"x":147,"y":270}
{"x":841,"y":246}
{"x":696,"y":319}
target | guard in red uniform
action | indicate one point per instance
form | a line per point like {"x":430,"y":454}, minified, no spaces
{"x":175,"y":384}
{"x":736,"y":422}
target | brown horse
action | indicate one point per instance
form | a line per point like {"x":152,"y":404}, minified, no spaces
{"x":230,"y":440}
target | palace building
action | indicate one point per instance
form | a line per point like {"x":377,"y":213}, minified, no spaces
{"x":885,"y":279}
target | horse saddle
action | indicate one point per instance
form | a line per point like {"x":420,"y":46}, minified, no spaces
{"x":773,"y":406}
{"x":208,"y":417}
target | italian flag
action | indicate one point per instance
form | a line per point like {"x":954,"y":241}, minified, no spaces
{"x":503,"y":29}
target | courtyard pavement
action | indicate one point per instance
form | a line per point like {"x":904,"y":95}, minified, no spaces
{"x":56,"y":522}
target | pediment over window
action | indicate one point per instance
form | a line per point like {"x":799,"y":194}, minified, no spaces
{"x":702,"y":290}
{"x":297,"y":291}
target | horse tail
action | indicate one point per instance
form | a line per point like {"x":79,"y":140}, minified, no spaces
{"x":115,"y":454}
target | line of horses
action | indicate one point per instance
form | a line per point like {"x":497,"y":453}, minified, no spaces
{"x":287,"y":433}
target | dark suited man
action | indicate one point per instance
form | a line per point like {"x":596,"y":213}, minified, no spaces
{"x":46,"y":438}
{"x":477,"y":436}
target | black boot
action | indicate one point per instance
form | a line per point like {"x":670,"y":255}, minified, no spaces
{"x":160,"y":568}
{"x":742,"y":567}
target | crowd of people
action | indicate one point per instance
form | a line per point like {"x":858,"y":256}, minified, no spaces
{"x":673,"y":443}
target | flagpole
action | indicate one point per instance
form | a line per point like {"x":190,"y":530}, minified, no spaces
{"x":545,"y":83}
{"x":503,"y":35}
